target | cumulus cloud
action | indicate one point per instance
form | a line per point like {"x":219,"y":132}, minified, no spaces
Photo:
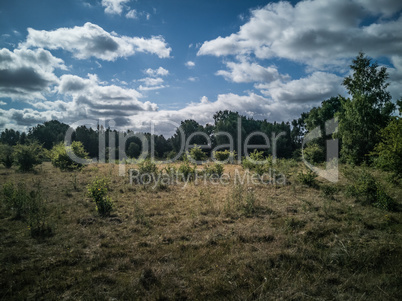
{"x":132,"y":14}
{"x":19,"y":119}
{"x":315,"y":32}
{"x":246,"y":72}
{"x":154,"y":80}
{"x":156,"y":72}
{"x":190,"y":64}
{"x":92,"y":40}
{"x":27,"y":74}
{"x":91,"y":92}
{"x":314,"y":88}
{"x":114,"y":6}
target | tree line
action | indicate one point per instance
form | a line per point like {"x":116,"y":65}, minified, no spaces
{"x":369,"y":129}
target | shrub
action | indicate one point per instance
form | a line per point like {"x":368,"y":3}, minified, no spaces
{"x":314,"y":153}
{"x":328,"y":191}
{"x":224,"y":156}
{"x":215,"y":170}
{"x":383,"y":201}
{"x":38,"y":215}
{"x":196,"y":154}
{"x":97,"y":191}
{"x":6,"y":155}
{"x":186,"y":172}
{"x":369,"y":191}
{"x":257,"y":162}
{"x":147,"y":171}
{"x":388,"y":153}
{"x":60,"y":158}
{"x":29,"y":206}
{"x":27,"y":156}
{"x":15,"y":199}
{"x":308,"y":178}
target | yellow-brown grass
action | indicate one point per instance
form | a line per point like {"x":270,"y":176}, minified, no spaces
{"x":200,"y":242}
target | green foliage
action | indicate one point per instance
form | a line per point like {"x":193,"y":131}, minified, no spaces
{"x":367,"y":190}
{"x":367,"y":112}
{"x":197,"y":154}
{"x":59,"y":155}
{"x":134,"y":150}
{"x":249,"y":203}
{"x":384,"y":201}
{"x":27,"y":156}
{"x":214,"y":170}
{"x":6,"y":155}
{"x":38,"y":215}
{"x":257,"y":162}
{"x":308,"y":178}
{"x":97,"y":192}
{"x":224,"y":156}
{"x":29,"y":206}
{"x":147,"y":171}
{"x":15,"y":199}
{"x":314,"y":153}
{"x":186,"y":172}
{"x":328,"y":191}
{"x":388,"y":152}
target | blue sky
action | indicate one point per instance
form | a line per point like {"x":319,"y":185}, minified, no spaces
{"x":136,"y":62}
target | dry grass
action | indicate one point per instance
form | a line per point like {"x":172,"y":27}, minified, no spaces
{"x":247,"y":242}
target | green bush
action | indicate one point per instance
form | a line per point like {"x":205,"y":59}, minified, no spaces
{"x":28,"y":206}
{"x":314,"y":153}
{"x":387,"y":154}
{"x":60,"y":158}
{"x":257,"y":162}
{"x":367,"y":190}
{"x":15,"y":199}
{"x":383,"y":201}
{"x":38,"y":215}
{"x":97,"y":192}
{"x":224,"y":156}
{"x":6,"y":155}
{"x":27,"y":156}
{"x":196,"y":154}
{"x":186,"y":172}
{"x":147,"y":171}
{"x":308,"y":178}
{"x":214,"y":170}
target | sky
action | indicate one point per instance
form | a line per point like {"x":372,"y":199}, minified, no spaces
{"x":148,"y":65}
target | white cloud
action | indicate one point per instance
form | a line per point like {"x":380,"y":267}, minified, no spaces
{"x":193,"y":79}
{"x":94,"y":99}
{"x":132,"y":14}
{"x":316,"y":33}
{"x":314,"y":88}
{"x":151,"y":81}
{"x":190,"y":64}
{"x":114,"y":6}
{"x":92,"y":40}
{"x":27,"y":74}
{"x":246,"y":72}
{"x":156,"y":72}
{"x":2,"y":103}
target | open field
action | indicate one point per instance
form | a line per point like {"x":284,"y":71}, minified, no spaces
{"x":241,"y":242}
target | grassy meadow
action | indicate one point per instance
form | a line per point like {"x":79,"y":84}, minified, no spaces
{"x":200,"y":241}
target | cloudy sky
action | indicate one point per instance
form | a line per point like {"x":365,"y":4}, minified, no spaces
{"x":137,"y":62}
